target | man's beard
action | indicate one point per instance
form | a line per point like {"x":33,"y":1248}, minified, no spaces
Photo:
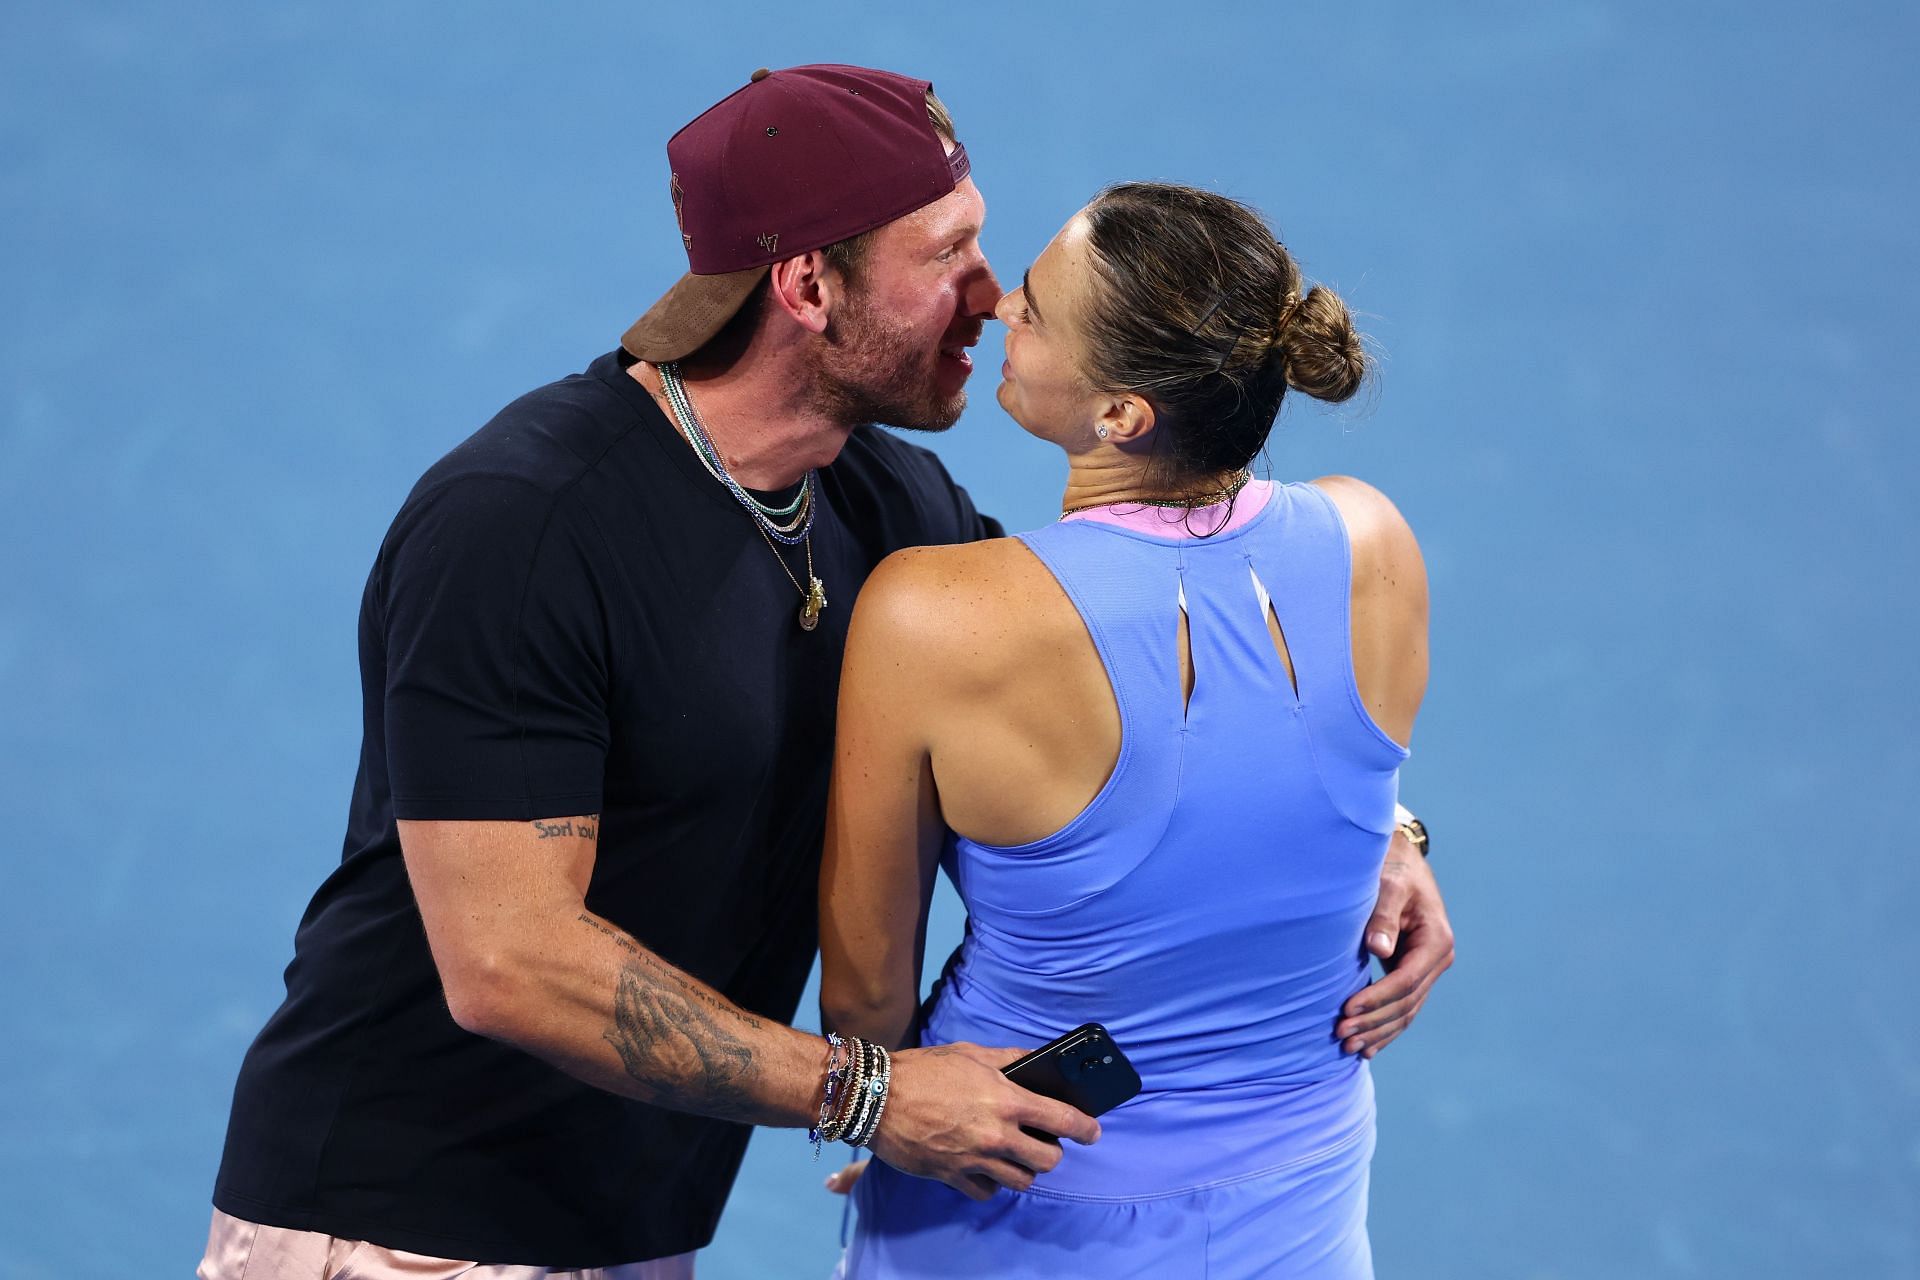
{"x":873,"y":371}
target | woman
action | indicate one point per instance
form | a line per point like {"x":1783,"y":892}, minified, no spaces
{"x":1156,"y":746}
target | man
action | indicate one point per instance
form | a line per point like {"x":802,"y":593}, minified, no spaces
{"x":531,"y":1015}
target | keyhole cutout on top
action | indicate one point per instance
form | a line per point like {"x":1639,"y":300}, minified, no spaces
{"x":1274,"y":632}
{"x":1185,"y":641}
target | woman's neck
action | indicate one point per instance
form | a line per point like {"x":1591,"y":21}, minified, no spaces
{"x":1113,"y":477}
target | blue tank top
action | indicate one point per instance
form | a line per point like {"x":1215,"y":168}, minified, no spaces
{"x":1208,"y":903}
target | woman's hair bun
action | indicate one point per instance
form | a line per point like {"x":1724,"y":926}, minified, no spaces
{"x":1323,"y":354}
{"x":1197,"y":307}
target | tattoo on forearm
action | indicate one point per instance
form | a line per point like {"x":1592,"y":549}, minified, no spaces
{"x":692,"y":989}
{"x":596,"y":923}
{"x":586,"y":828}
{"x":678,"y":1039}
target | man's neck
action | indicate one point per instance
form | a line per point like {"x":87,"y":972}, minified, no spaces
{"x":758,"y":421}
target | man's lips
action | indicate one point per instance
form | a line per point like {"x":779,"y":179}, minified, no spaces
{"x":957,"y":352}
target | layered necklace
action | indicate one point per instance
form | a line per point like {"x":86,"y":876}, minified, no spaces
{"x":1229,"y":490}
{"x":788,"y":525}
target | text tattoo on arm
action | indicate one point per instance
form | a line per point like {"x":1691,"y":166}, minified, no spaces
{"x":675,"y":1038}
{"x":586,"y":828}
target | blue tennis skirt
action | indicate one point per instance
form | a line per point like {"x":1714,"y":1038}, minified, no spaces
{"x":1304,"y":1220}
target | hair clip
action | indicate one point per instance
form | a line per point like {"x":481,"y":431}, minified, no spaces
{"x":1219,"y":300}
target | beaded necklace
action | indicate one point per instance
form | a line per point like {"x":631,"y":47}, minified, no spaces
{"x":798,"y":514}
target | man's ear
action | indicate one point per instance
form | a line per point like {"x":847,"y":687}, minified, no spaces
{"x":807,"y":289}
{"x":1128,"y":420}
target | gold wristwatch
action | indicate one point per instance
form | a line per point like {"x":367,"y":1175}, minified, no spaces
{"x":1411,"y":827}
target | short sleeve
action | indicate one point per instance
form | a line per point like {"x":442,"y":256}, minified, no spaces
{"x":950,"y":507}
{"x":974,"y":527}
{"x":916,"y":502}
{"x":496,"y":656}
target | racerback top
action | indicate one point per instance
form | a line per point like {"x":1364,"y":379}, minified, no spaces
{"x":1207,"y":905}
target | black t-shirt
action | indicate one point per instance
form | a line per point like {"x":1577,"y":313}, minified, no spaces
{"x":567,"y":616}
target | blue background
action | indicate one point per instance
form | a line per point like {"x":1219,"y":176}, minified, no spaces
{"x":1643,"y":277}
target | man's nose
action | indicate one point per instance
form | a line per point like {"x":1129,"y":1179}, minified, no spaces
{"x":983,"y":293}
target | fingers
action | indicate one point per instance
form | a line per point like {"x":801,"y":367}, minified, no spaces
{"x":958,"y":1119}
{"x":1377,"y":1015}
{"x":1383,"y":926}
{"x":1033,"y":1153}
{"x":1037,"y":1111}
{"x":1006,"y":1173}
{"x":841,"y":1182}
{"x":1058,"y":1118}
{"x":1385,"y":1025}
{"x":1367,"y":1004}
{"x":1373,"y":1042}
{"x":1429,"y":954}
{"x":1390,"y":908}
{"x":978,"y":1185}
{"x":1390,"y":1000}
{"x":1383,"y":936}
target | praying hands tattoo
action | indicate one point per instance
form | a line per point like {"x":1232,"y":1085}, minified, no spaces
{"x":675,"y":1039}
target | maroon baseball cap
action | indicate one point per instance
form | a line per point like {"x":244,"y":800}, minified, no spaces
{"x":794,"y":160}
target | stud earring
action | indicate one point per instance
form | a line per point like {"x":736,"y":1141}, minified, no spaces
{"x":1101,"y":432}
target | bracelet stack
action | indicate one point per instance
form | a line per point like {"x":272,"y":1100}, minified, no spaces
{"x":833,"y":1092}
{"x":855,"y":1097}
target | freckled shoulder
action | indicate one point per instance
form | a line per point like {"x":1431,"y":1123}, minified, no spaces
{"x":1389,"y":604}
{"x":968,"y":607}
{"x":1386,"y":556}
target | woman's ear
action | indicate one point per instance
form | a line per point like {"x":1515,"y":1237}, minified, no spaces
{"x":1125,"y":420}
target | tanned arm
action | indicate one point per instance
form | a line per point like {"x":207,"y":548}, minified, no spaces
{"x":1409,"y":931}
{"x":883,"y":817}
{"x":522,"y":960}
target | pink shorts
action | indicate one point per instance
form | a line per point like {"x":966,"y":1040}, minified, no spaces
{"x":242,"y":1250}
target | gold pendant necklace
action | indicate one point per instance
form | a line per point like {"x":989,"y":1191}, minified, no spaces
{"x":813,"y":596}
{"x":816,"y":601}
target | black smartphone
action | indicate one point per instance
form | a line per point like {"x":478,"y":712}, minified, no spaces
{"x":1083,"y":1068}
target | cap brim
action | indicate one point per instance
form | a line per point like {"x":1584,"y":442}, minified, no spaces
{"x":689,"y":314}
